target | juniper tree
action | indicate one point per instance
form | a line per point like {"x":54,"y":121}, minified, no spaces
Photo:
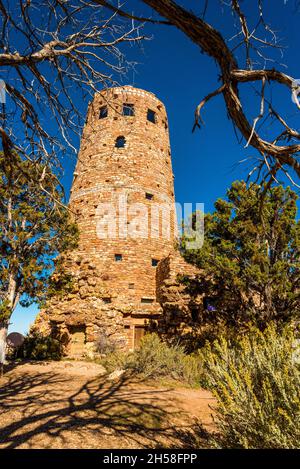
{"x":250,"y":259}
{"x":34,"y":227}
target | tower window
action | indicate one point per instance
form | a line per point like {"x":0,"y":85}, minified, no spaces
{"x":147,"y":300}
{"x":118,"y":257}
{"x":131,"y":286}
{"x":154,"y":262}
{"x":107,"y":299}
{"x":120,"y":142}
{"x":151,"y":116}
{"x":149,"y":196}
{"x":103,"y":112}
{"x":128,"y":109}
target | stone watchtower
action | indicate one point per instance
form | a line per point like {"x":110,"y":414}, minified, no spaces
{"x":123,"y":200}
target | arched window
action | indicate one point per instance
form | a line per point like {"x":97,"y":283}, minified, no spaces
{"x":120,"y":142}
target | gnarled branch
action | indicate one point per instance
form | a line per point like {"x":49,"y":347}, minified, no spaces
{"x":212,"y":43}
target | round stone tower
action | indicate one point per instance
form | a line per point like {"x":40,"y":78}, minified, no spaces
{"x":123,"y":199}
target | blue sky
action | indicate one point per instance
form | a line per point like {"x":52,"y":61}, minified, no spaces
{"x":205,"y":162}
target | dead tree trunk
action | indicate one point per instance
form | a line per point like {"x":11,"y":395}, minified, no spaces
{"x":3,"y":336}
{"x":10,"y":302}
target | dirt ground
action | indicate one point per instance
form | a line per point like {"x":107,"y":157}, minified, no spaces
{"x":74,"y":405}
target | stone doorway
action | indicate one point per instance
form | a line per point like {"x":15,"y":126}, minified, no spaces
{"x":77,"y":341}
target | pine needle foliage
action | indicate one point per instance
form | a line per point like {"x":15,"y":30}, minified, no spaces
{"x":250,"y":261}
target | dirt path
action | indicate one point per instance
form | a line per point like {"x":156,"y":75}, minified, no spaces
{"x":73,"y":405}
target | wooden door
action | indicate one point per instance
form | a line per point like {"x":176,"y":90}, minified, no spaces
{"x":139,"y":332}
{"x":77,"y":341}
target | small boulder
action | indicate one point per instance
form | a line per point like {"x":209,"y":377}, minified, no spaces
{"x":115,"y":375}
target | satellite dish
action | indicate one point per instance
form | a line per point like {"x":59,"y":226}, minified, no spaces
{"x":15,"y":339}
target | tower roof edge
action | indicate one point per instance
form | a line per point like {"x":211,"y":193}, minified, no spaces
{"x":128,"y":89}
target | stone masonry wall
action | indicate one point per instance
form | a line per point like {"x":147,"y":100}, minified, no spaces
{"x":177,"y":321}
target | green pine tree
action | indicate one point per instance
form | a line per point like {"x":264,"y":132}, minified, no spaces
{"x":34,"y":227}
{"x":250,"y":264}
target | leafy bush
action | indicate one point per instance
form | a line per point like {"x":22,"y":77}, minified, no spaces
{"x":256,"y":381}
{"x":155,"y":359}
{"x":38,"y":347}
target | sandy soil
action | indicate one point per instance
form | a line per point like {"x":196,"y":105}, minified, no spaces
{"x":74,"y":405}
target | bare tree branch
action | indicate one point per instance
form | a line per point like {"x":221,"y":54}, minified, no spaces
{"x":129,"y":15}
{"x":212,"y":43}
{"x":203,"y":102}
{"x":50,"y":62}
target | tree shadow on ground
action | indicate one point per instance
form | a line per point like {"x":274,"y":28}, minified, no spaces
{"x":46,"y":410}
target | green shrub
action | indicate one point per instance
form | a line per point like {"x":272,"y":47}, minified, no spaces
{"x":116,"y":361}
{"x":38,"y":347}
{"x":256,"y":381}
{"x":155,"y":360}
